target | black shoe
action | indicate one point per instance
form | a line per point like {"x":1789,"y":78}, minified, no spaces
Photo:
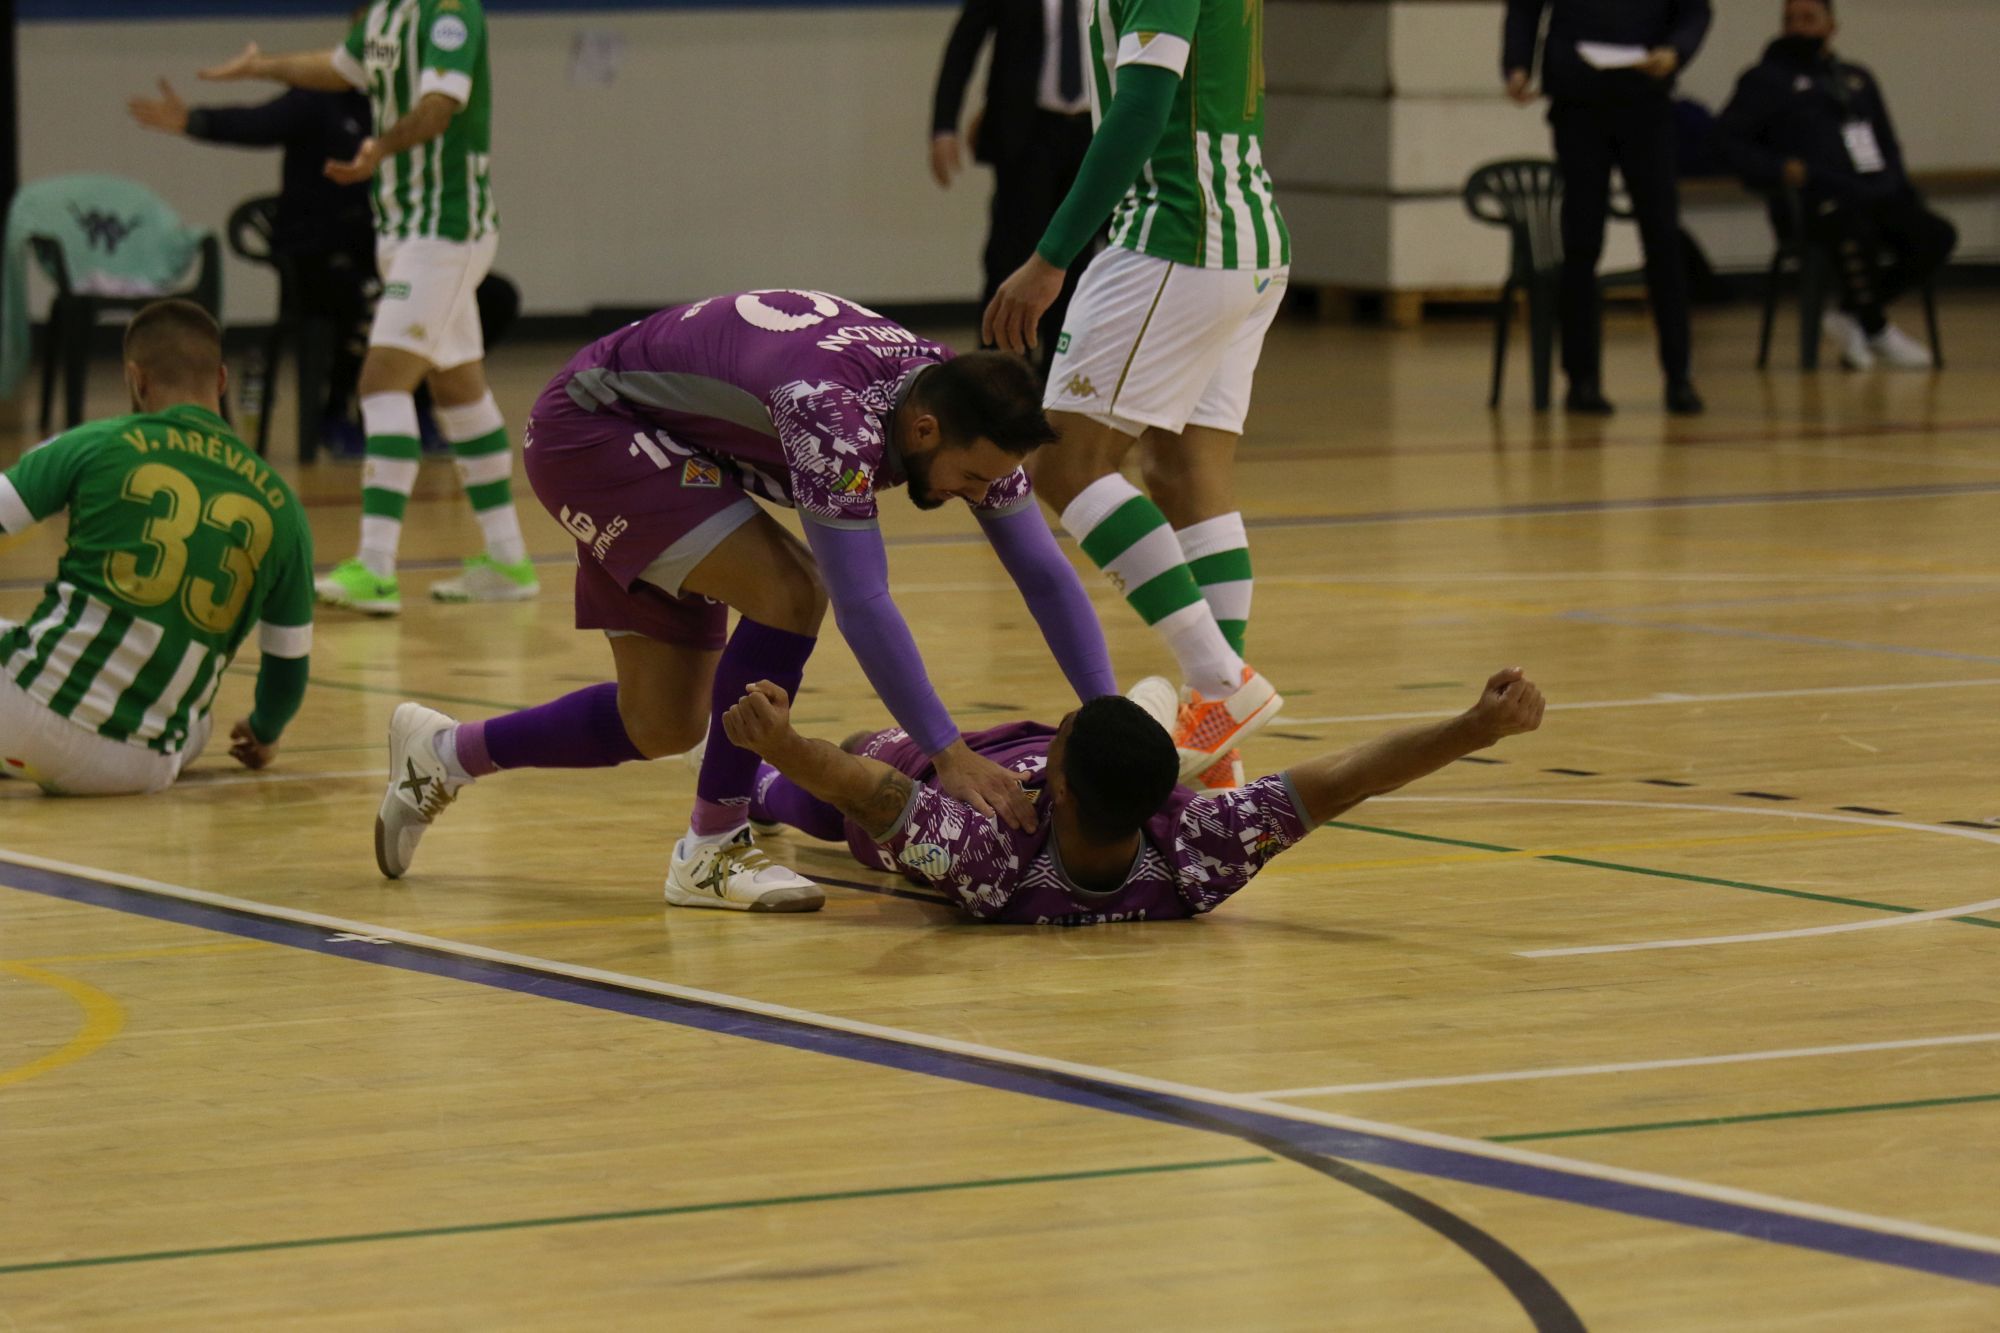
{"x":1588,"y":401}
{"x":1683,"y":401}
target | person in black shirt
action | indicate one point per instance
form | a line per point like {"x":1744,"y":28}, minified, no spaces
{"x":1611,"y":107}
{"x":1806,"y":121}
{"x":1033,"y":130}
{"x":325,"y":230}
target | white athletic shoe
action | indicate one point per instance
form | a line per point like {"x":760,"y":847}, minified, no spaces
{"x":484,"y":579}
{"x":1157,"y":695}
{"x":419,"y":786}
{"x":734,"y":874}
{"x":1899,"y":351}
{"x":1850,"y":338}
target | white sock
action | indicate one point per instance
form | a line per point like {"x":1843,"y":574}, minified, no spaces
{"x":504,"y":541}
{"x":393,"y":415}
{"x":444,"y":745}
{"x":464,"y":424}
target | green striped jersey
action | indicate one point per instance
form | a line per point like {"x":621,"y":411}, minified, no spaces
{"x":398,"y":52}
{"x":1203,"y":197}
{"x":180,"y":540}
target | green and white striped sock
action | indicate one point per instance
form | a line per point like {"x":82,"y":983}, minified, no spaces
{"x":390,"y":421}
{"x":1127,"y":537}
{"x":478,"y":438}
{"x":1218,"y":554}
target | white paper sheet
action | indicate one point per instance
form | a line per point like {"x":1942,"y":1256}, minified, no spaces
{"x":1605,"y":55}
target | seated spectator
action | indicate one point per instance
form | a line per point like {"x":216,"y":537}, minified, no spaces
{"x":1804,"y":120}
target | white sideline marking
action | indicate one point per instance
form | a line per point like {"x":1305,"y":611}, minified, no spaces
{"x":1662,"y":699}
{"x":1872,"y":923}
{"x":1305,"y":1115}
{"x":1632,"y":1066}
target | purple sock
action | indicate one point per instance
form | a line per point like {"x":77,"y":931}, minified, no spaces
{"x":580,"y":730}
{"x":755,"y":652}
{"x":779,"y":800}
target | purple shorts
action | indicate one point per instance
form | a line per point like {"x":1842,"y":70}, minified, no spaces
{"x":630,"y":516}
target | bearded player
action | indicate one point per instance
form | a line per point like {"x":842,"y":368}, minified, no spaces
{"x":1118,"y":840}
{"x":1162,"y":339}
{"x":657,"y":447}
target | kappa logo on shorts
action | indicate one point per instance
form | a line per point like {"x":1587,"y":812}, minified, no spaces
{"x":1079,"y":386}
{"x":701,"y":473}
{"x":418,"y":332}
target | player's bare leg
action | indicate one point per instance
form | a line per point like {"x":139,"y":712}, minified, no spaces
{"x":366,"y":582}
{"x":471,"y":423}
{"x":768,"y":575}
{"x":1125,"y":534}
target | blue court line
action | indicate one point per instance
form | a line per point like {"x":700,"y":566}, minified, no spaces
{"x":1772,"y":636}
{"x":1938,"y":1257}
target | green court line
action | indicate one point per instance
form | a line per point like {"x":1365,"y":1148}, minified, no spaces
{"x":526,"y":1223}
{"x":1744,"y":1119}
{"x":1658,"y":874}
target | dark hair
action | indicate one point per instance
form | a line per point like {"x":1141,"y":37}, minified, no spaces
{"x":175,"y":341}
{"x":1120,"y":765}
{"x":994,"y":394}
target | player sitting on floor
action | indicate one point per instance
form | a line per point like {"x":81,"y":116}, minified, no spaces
{"x":1116,"y":838}
{"x":180,"y":541}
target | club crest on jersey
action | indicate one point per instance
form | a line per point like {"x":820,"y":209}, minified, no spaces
{"x":701,"y":473}
{"x":448,"y":33}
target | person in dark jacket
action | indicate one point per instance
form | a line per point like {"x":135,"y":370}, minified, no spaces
{"x":1608,"y":69}
{"x":1805,"y":121}
{"x":325,"y":230}
{"x":1033,"y":130}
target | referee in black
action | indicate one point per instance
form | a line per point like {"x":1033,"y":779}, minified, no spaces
{"x":1605,"y":112}
{"x":1033,"y":130}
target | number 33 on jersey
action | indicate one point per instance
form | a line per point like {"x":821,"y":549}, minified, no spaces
{"x":180,"y":539}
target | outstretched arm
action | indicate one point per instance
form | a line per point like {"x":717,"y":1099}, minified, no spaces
{"x":300,"y":69}
{"x":1510,"y":704}
{"x":426,"y":120}
{"x":867,"y":791}
{"x":1055,"y":597}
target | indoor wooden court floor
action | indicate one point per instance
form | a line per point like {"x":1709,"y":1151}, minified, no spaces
{"x":1678,"y":1014}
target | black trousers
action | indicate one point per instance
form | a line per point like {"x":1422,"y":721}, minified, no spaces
{"x":1883,"y":248}
{"x":1637,"y":138}
{"x":1027,"y":188}
{"x":333,"y":286}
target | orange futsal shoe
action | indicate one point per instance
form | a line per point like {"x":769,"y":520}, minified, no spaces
{"x":1226,"y":774}
{"x":1206,"y":730}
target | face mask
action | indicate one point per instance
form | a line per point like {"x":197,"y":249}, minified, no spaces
{"x":1801,"y":50}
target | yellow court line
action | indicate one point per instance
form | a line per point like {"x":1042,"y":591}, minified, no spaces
{"x":1592,"y":849}
{"x":103,"y":1019}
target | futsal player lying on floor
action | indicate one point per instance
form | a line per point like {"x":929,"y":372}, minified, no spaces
{"x":1115,"y":838}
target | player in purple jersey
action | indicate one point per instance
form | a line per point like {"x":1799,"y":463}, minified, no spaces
{"x":1118,"y":840}
{"x":652,"y":448}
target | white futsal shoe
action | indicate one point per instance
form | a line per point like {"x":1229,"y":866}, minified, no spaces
{"x":1162,"y":702}
{"x":1850,"y":338}
{"x":734,"y":874}
{"x":420,"y":787}
{"x":1899,"y":351}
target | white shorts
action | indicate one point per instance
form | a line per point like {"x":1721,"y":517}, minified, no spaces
{"x":430,"y":302}
{"x":65,"y":759}
{"x":1152,"y":343}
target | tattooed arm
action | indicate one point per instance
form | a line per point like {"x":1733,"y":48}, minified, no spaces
{"x":867,"y":791}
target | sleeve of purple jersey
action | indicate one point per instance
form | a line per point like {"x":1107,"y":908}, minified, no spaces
{"x":1055,"y":597}
{"x":855,"y":568}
